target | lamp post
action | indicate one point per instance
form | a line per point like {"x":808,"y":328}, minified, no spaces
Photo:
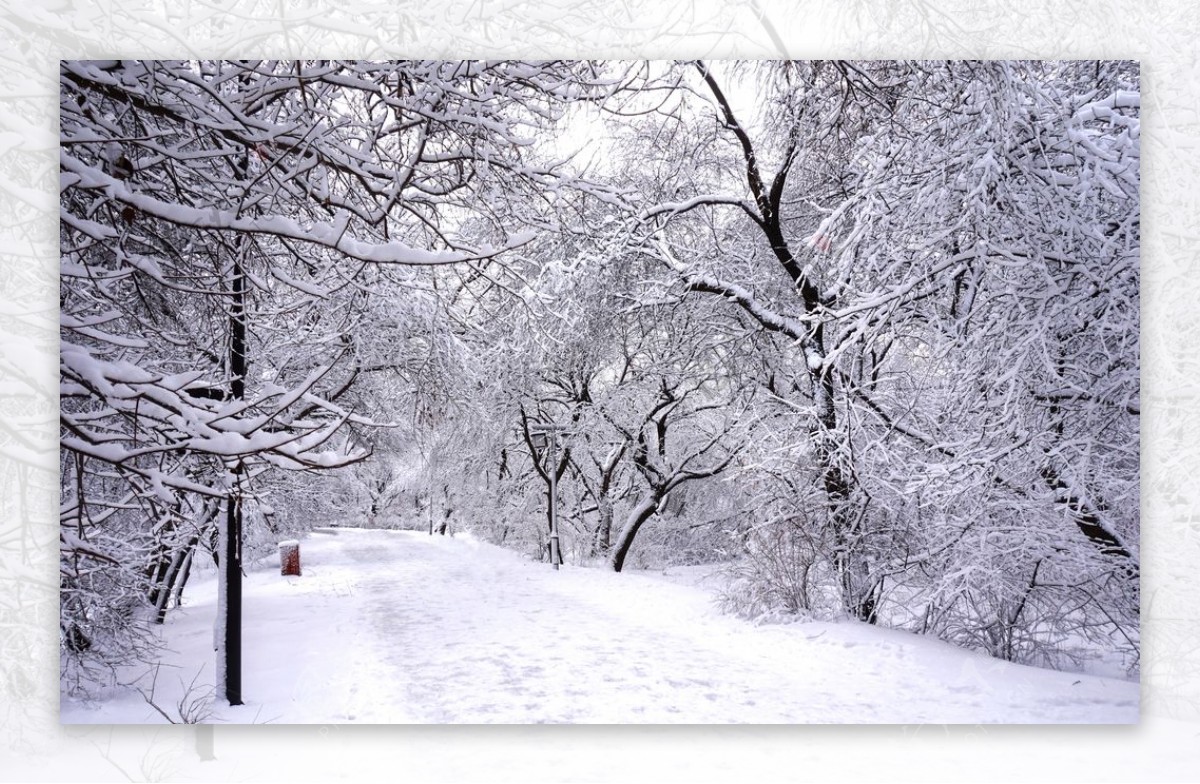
{"x":545,"y":438}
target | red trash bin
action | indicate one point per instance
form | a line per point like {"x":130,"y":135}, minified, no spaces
{"x":289,"y":558}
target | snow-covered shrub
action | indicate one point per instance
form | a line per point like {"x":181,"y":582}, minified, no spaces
{"x":781,"y":574}
{"x":105,"y":612}
{"x":1051,"y":611}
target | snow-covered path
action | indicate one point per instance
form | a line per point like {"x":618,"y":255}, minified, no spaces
{"x":402,"y":627}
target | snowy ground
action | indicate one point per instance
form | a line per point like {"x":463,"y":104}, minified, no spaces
{"x":388,"y":626}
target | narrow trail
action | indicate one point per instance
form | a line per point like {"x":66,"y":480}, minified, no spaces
{"x":403,"y":627}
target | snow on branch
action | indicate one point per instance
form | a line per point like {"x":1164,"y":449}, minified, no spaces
{"x":745,"y":298}
{"x":331,"y":234}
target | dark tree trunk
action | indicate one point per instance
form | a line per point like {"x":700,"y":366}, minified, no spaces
{"x":181,"y":578}
{"x":233,"y":504}
{"x":767,"y":198}
{"x":161,"y":595}
{"x":233,"y":600}
{"x":643,"y":512}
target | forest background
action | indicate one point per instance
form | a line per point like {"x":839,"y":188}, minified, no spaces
{"x":1167,"y":364}
{"x":864,"y":332}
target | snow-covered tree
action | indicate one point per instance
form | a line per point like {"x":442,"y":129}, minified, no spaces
{"x":949,"y":253}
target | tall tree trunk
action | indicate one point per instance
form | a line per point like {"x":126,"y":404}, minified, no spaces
{"x":231,"y":564}
{"x":836,"y":484}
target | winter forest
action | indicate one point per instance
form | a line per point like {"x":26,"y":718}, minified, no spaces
{"x":860,"y":339}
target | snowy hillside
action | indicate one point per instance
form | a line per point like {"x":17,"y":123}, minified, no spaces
{"x":388,"y":626}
